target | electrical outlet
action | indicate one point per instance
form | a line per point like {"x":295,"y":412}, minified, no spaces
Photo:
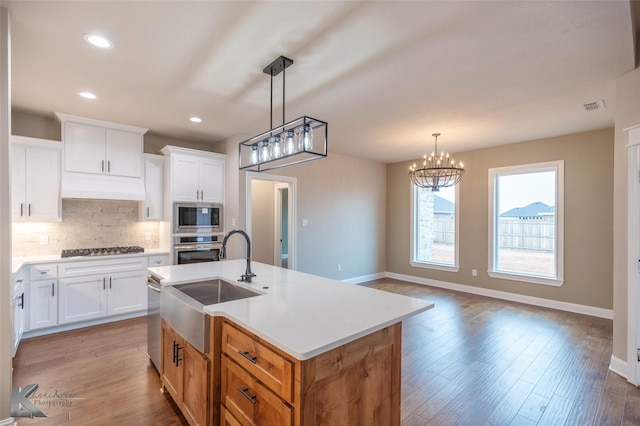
{"x":305,"y":222}
{"x":147,"y":236}
{"x":233,"y":221}
{"x":474,"y":272}
{"x":339,"y":267}
{"x":44,"y":240}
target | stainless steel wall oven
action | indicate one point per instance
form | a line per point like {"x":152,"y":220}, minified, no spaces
{"x":196,"y":249}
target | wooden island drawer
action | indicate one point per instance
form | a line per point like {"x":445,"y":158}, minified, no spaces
{"x":272,"y":369}
{"x":250,"y":402}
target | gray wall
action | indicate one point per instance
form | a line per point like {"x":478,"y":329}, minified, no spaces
{"x":262,"y":221}
{"x":588,"y":259}
{"x":343,"y":199}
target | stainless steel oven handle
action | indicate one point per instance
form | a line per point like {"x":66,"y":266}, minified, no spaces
{"x":153,"y":287}
{"x":197,"y":246}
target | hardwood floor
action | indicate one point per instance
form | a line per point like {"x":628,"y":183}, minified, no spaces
{"x":469,"y":361}
{"x":106,"y":366}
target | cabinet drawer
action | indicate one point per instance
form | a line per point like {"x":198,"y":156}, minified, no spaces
{"x":227,"y":419}
{"x":95,"y":267}
{"x":266,"y":365}
{"x":250,"y":402}
{"x":43,"y":271}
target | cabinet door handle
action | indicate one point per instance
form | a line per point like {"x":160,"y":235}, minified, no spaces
{"x":21,"y":209}
{"x":29,"y":209}
{"x":53,"y":289}
{"x":147,"y":211}
{"x":19,"y":281}
{"x":109,"y":283}
{"x":252,"y":359}
{"x":176,"y":353}
{"x":43,"y":272}
{"x":202,"y":194}
{"x":102,"y":166}
{"x":109,"y":166}
{"x":104,"y":283}
{"x":245,"y":392}
{"x":22,"y":300}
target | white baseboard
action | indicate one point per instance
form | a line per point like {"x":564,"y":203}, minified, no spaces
{"x":514,"y":297}
{"x":619,"y":367}
{"x":83,"y":324}
{"x":365,"y":278}
{"x":8,"y":422}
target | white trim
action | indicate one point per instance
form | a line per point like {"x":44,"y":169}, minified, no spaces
{"x":432,"y":265}
{"x":438,"y":266}
{"x":8,"y":422}
{"x":514,"y":297}
{"x":525,"y":278}
{"x":633,"y":254}
{"x":293,"y":201}
{"x":558,"y":167}
{"x":83,"y":324}
{"x":365,"y":278}
{"x":619,"y":366}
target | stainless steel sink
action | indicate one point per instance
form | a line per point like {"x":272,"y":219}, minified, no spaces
{"x":215,"y":291}
{"x":182,"y":306}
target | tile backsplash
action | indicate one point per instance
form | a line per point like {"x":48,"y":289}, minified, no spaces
{"x":86,"y":224}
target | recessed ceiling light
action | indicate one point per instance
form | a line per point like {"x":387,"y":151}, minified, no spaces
{"x":98,"y":41}
{"x":195,"y":120}
{"x":88,"y":95}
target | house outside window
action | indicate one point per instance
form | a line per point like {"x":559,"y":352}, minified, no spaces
{"x":526,"y":210}
{"x":434,"y":228}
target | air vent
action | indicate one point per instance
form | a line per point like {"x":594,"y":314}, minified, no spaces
{"x":592,"y":106}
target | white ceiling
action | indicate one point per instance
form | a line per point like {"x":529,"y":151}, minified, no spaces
{"x":384,"y":74}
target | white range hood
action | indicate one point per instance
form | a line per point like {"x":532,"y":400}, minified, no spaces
{"x":76,"y":185}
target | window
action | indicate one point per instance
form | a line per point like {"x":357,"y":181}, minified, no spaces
{"x":526,"y":206}
{"x":434,"y":228}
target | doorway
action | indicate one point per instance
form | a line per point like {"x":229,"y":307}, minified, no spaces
{"x":270,"y":214}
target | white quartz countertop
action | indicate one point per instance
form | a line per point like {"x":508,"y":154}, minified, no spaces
{"x":302,"y":314}
{"x":19,"y":262}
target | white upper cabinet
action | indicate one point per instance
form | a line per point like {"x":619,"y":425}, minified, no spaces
{"x":35,"y":179}
{"x":153,"y":171}
{"x":101,"y":159}
{"x":91,"y":149}
{"x":195,"y":176}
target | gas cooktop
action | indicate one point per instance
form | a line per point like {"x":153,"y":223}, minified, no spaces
{"x":102,"y":251}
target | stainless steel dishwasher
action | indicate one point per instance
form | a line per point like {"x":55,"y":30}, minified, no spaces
{"x":154,"y":322}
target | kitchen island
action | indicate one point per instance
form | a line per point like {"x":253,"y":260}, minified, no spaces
{"x":307,"y":351}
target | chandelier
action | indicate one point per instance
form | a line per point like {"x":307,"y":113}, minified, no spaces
{"x":300,"y":140}
{"x":437,"y":171}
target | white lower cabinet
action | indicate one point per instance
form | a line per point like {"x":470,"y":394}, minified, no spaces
{"x":43,"y":303}
{"x":120,"y":287}
{"x":127,"y":292}
{"x":82,"y":299}
{"x":73,"y":291}
{"x":18,"y":305}
{"x":96,"y":296}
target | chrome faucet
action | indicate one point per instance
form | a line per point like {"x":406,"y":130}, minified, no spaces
{"x":223,"y":254}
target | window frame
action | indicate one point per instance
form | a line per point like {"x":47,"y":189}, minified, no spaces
{"x":413,"y":240}
{"x":558,"y":167}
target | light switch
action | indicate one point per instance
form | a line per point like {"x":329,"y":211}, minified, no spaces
{"x":44,"y":240}
{"x":305,"y":222}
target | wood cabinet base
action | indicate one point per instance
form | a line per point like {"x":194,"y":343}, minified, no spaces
{"x":357,"y":383}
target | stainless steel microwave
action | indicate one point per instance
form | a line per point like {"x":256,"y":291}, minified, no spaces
{"x":197,"y":217}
